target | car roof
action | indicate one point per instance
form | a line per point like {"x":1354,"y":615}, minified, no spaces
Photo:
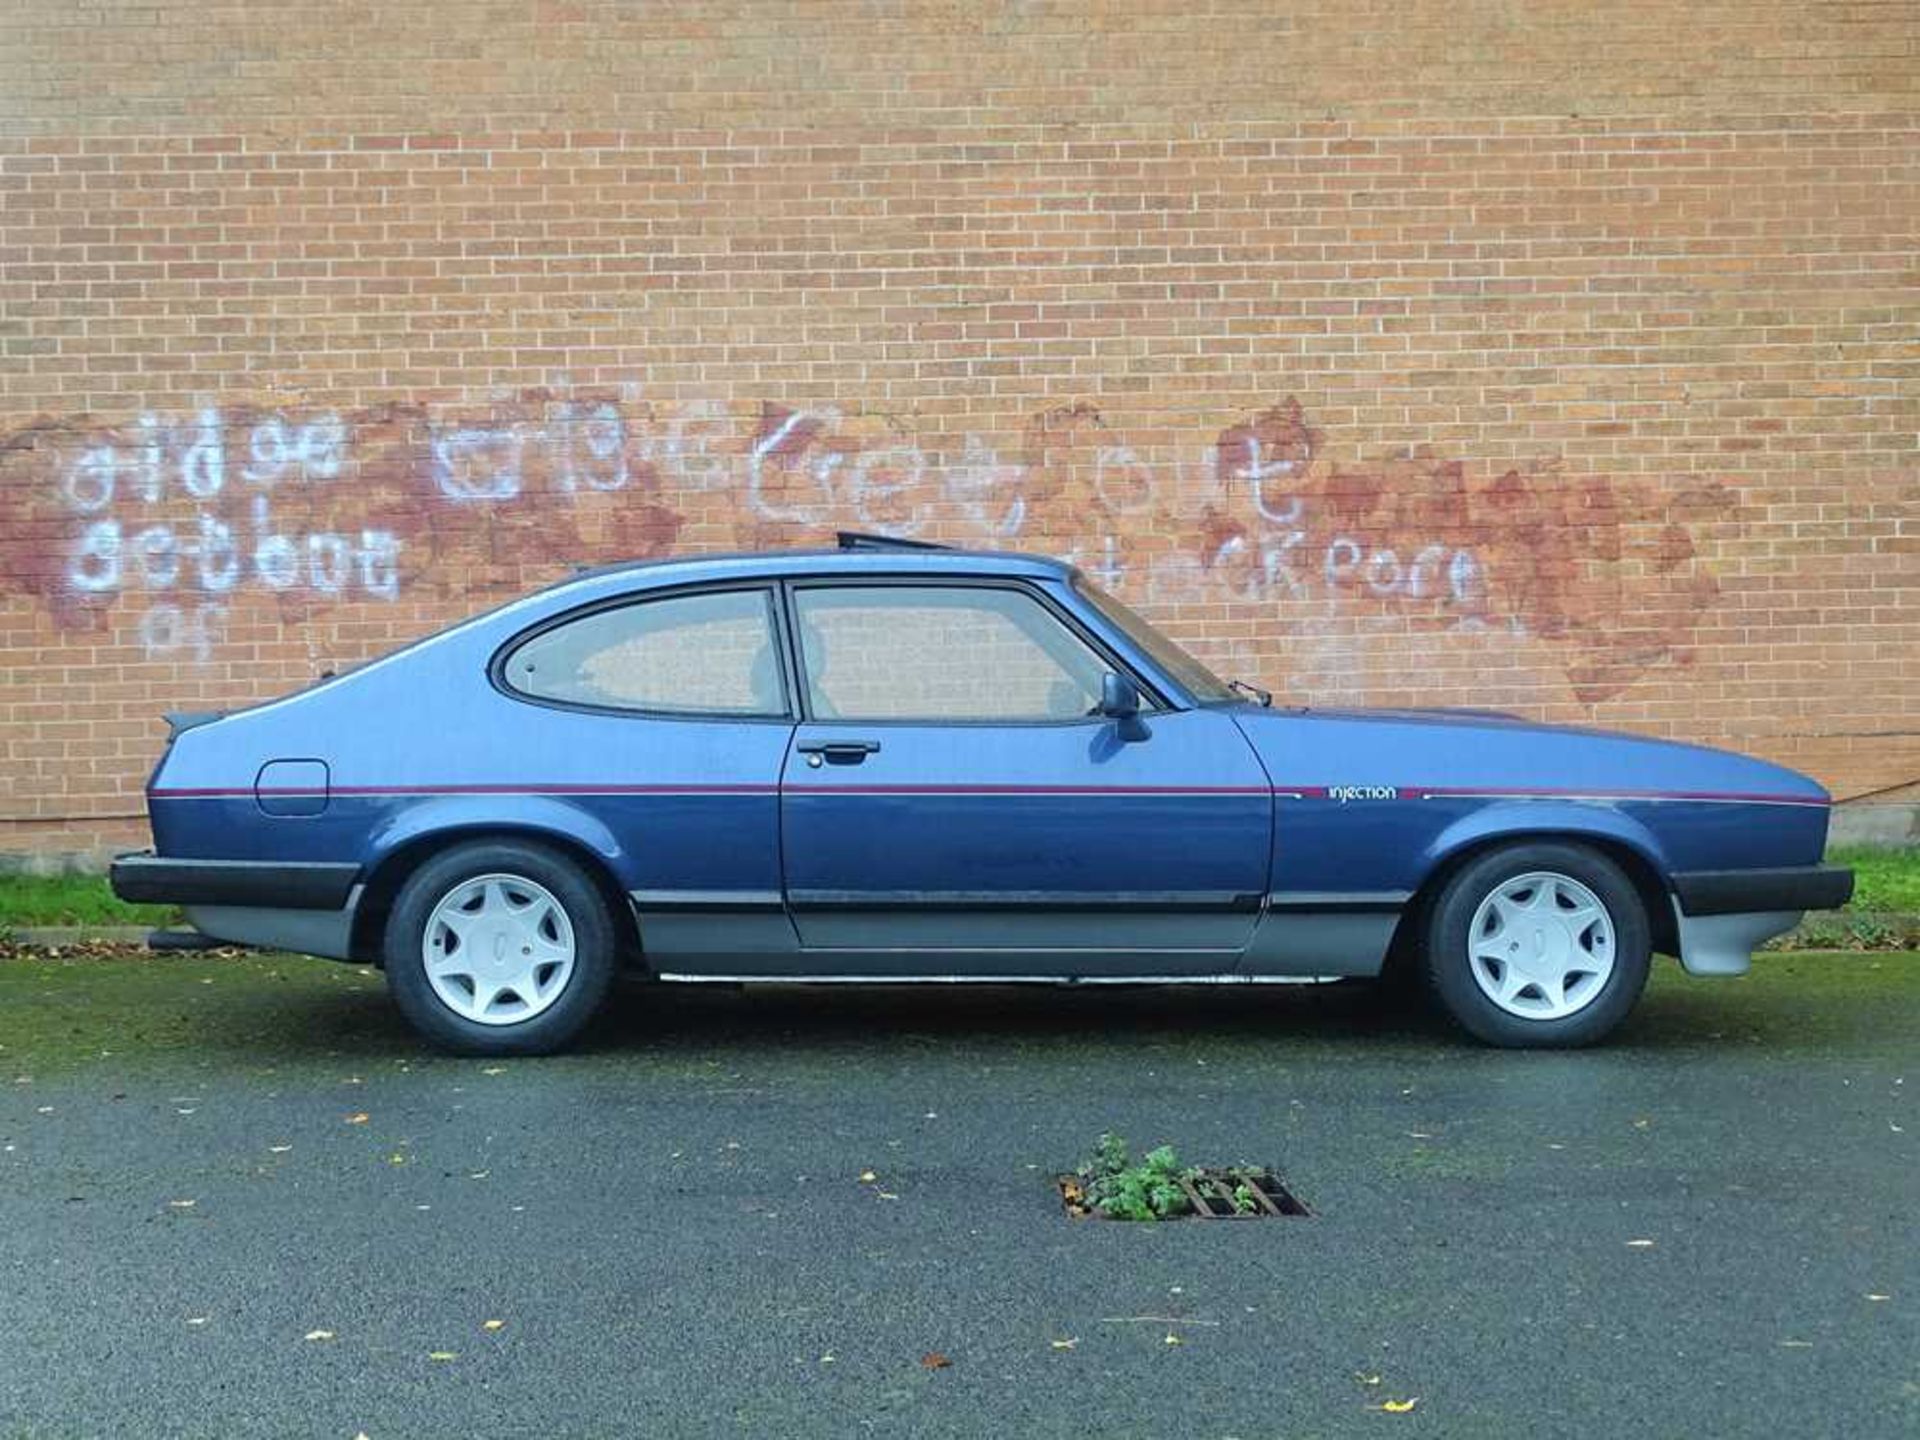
{"x":878,"y":560}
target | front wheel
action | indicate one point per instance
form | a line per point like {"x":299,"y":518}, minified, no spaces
{"x":1538,"y":944}
{"x":499,"y":947}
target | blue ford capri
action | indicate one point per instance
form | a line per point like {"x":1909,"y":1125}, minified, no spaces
{"x":891,"y":763}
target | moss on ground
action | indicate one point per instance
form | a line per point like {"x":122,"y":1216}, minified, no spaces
{"x":68,"y":1009}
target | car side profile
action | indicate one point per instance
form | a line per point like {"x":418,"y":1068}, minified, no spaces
{"x":890,"y":762}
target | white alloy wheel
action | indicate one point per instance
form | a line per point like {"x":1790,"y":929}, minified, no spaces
{"x":1541,"y":946}
{"x":499,"y":949}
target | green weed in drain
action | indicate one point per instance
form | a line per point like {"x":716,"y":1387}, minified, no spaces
{"x":1149,"y":1190}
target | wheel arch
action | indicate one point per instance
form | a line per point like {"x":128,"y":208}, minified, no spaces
{"x":1627,"y":844}
{"x":396,"y":862}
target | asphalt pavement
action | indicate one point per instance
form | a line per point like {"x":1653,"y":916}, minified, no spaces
{"x":237,"y":1198}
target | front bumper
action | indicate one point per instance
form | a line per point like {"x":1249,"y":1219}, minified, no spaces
{"x":146,"y":878}
{"x":1744,"y":892}
{"x":1721,"y":915}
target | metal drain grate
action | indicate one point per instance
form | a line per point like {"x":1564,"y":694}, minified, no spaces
{"x":1214,"y":1193}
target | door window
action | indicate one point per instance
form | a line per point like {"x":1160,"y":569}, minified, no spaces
{"x":709,"y":653}
{"x":923,"y":652}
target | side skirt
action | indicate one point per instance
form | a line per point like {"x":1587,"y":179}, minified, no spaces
{"x":747,"y":936}
{"x":1342,"y":934}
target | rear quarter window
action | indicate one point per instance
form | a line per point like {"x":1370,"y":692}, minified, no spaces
{"x":709,"y":653}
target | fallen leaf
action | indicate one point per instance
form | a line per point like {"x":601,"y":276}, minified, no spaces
{"x":1065,"y":1344}
{"x":1368,"y":1379}
{"x":886,"y":1195}
{"x":182,"y":1204}
{"x":396,"y":1159}
{"x":494,"y":1070}
{"x":1173,"y":1339}
{"x":1400,"y":1407}
{"x":1639,"y":1244}
{"x":867,"y":1177}
{"x":359,"y":1117}
{"x":828,"y":1358}
{"x":319,"y":1335}
{"x":278,"y":1149}
{"x":443,"y":1355}
{"x":492,"y":1324}
{"x":1872,"y":1295}
{"x":196,"y":1319}
{"x":934,"y":1360}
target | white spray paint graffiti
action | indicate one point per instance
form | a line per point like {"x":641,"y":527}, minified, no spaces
{"x":585,"y":447}
{"x":1257,"y":470}
{"x":803,"y":468}
{"x":122,"y":485}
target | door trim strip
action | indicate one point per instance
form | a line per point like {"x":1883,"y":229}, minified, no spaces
{"x":1338,"y":902}
{"x":1070,"y":981}
{"x":704,"y":902}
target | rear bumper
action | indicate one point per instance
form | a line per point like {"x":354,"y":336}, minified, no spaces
{"x":146,"y":878}
{"x":1746,"y":892}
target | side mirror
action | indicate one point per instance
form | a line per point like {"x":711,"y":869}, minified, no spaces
{"x":1120,"y":703}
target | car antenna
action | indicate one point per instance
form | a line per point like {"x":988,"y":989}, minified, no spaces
{"x":860,"y":540}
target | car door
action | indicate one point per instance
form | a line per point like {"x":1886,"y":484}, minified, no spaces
{"x":668,"y":716}
{"x":953,"y":804}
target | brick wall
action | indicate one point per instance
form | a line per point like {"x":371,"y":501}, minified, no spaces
{"x":1558,"y":358}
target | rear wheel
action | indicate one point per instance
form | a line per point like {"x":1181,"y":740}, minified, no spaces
{"x":1538,"y":944}
{"x":499,"y":947}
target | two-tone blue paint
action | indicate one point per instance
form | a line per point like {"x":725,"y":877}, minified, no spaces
{"x":1234,"y":840}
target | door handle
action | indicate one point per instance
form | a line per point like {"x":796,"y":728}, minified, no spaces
{"x":838,"y":752}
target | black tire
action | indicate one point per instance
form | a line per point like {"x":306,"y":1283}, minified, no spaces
{"x":595,"y":949}
{"x":1450,"y":972}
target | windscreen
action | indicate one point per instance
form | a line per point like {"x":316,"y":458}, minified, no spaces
{"x":1197,"y":679}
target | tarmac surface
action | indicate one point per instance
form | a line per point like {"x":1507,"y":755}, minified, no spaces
{"x":238,"y":1198}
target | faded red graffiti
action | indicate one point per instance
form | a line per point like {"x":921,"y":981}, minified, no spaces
{"x":1605,"y":569}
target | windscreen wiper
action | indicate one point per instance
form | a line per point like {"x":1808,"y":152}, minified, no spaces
{"x":1252,"y":692}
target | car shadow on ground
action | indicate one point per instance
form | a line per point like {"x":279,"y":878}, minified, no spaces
{"x":1012,"y":1016}
{"x":359,"y":1020}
